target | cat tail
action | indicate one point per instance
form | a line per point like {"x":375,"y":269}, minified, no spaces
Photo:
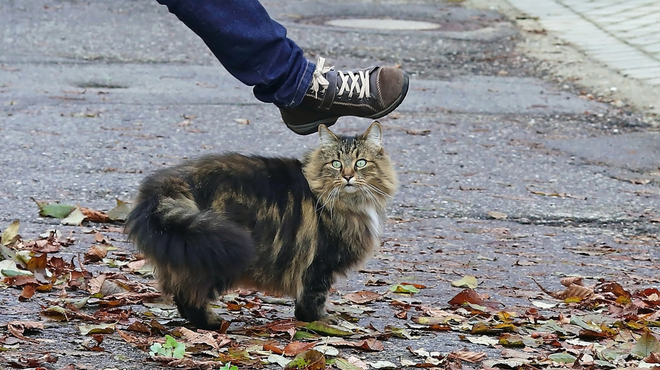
{"x":197,"y":253}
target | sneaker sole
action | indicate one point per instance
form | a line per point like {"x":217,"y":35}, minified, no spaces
{"x":312,"y":127}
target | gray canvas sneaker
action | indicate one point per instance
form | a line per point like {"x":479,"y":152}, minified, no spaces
{"x":371,"y":93}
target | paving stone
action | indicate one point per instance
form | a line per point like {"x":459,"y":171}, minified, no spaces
{"x":653,"y":49}
{"x":645,"y":73}
{"x":641,"y":64}
{"x":623,"y":34}
{"x":636,"y":32}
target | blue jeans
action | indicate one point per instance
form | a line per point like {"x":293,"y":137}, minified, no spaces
{"x":250,"y":45}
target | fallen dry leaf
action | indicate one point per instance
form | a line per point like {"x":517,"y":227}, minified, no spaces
{"x":362,"y":297}
{"x":93,"y":215}
{"x":24,"y":362}
{"x":209,"y":338}
{"x":572,"y":291}
{"x":295,"y":348}
{"x":18,"y":328}
{"x":577,"y":280}
{"x":186,"y":363}
{"x":422,"y":132}
{"x":467,"y":296}
{"x":28,"y":292}
{"x":468,"y":356}
{"x":95,"y":254}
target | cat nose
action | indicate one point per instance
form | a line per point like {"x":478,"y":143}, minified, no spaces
{"x":348,"y":177}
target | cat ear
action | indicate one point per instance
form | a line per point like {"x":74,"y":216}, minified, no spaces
{"x":374,"y":134}
{"x":326,"y":136}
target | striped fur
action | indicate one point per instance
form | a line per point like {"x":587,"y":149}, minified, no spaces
{"x":275,"y":224}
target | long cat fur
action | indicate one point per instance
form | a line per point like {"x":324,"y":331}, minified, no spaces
{"x":275,"y":224}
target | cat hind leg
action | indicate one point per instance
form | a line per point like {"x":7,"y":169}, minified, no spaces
{"x":201,"y":317}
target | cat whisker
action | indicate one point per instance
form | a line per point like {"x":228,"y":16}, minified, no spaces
{"x":369,"y":194}
{"x":377,"y":190}
{"x":318,"y":201}
{"x":330,"y":200}
{"x":333,"y":198}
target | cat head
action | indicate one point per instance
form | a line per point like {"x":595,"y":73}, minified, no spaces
{"x":351,"y":168}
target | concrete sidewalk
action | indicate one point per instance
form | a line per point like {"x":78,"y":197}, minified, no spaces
{"x":621,"y":35}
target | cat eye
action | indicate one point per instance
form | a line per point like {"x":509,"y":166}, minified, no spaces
{"x":360,"y":163}
{"x":336,"y":164}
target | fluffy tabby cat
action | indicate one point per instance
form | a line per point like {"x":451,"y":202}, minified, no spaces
{"x":275,"y":224}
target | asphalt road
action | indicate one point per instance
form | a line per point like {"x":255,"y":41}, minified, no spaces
{"x":95,"y":95}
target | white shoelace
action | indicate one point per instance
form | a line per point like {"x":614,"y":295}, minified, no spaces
{"x":361,"y":89}
{"x":350,"y":82}
{"x":318,"y":81}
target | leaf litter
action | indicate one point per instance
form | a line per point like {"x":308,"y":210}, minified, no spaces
{"x":102,"y":294}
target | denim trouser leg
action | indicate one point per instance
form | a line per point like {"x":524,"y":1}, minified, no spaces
{"x":250,"y":45}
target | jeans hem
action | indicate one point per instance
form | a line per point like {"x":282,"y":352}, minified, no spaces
{"x":303,"y":85}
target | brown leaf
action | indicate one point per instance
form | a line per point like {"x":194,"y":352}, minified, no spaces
{"x":612,"y":287}
{"x":595,"y":335}
{"x":95,"y":253}
{"x":281,"y":326}
{"x":49,"y":245}
{"x":59,"y":267}
{"x":422,"y":132}
{"x":95,"y":216}
{"x":94,"y":285}
{"x":26,"y":362}
{"x":401,"y":315}
{"x":37,"y":262}
{"x":139,"y":327}
{"x":273,"y":348}
{"x":576,"y":291}
{"x":98,"y":338}
{"x":468,"y":356}
{"x":18,"y":328}
{"x":199,"y":338}
{"x":466,"y":296}
{"x":99,"y":238}
{"x":653,"y":358}
{"x":186,"y":363}
{"x":157,"y":327}
{"x":133,"y":339}
{"x":371,"y":344}
{"x":577,"y":280}
{"x":572,"y":291}
{"x":20,"y":280}
{"x":295,"y":348}
{"x":134,"y":265}
{"x":362,"y":297}
{"x":28,"y":292}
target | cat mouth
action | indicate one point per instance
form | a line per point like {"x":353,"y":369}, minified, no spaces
{"x":350,"y":188}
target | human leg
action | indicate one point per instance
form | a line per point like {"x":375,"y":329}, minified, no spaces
{"x":250,"y":45}
{"x":254,"y":48}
